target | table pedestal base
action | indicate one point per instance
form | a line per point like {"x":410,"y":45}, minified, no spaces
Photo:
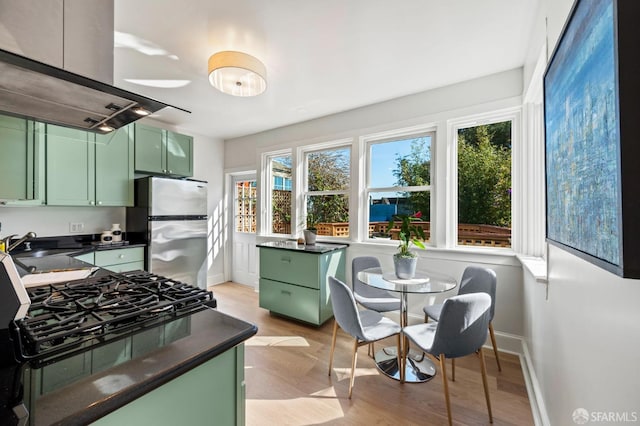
{"x":419,"y":367}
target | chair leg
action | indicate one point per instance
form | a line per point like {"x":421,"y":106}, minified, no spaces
{"x":353,"y":366}
{"x":483,"y":369}
{"x":453,"y":369}
{"x":495,"y":347}
{"x":426,"y":318}
{"x":333,"y":344}
{"x":400,"y":359}
{"x":445,"y":385}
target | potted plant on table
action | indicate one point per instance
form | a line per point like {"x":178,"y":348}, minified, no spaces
{"x":405,"y":260}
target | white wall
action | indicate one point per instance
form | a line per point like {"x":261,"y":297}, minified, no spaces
{"x":583,"y":335}
{"x":208,"y":165}
{"x":49,"y":221}
{"x":434,"y":107}
{"x":584,"y":339}
{"x":431,"y":106}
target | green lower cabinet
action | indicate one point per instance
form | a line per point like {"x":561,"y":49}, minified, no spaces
{"x":295,"y":283}
{"x":210,"y":394}
{"x":121,"y":260}
{"x":87,"y":257}
{"x":302,"y":303}
{"x":116,"y":260}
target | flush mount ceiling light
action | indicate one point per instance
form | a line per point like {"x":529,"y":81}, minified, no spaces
{"x":237,"y":73}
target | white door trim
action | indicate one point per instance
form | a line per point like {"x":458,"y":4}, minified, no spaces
{"x":229,"y":177}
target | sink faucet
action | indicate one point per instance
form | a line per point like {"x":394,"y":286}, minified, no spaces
{"x":9,"y":246}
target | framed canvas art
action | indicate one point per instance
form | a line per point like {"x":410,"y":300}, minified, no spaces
{"x":590,"y":98}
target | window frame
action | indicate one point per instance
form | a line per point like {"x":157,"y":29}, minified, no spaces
{"x":512,"y":114}
{"x":367,"y":142}
{"x":303,"y":181}
{"x":265,"y":227}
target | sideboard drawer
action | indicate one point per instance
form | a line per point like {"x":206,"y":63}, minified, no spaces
{"x":290,"y":267}
{"x":116,"y":256}
{"x":290,"y":300}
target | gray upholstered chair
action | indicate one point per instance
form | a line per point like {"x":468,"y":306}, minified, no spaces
{"x":461,"y":331}
{"x":475,"y":279}
{"x":371,"y":298}
{"x":365,"y":326}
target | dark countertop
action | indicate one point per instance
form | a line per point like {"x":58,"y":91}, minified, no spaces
{"x":211,"y":333}
{"x":71,"y":244}
{"x":50,"y":254}
{"x":318,"y":248}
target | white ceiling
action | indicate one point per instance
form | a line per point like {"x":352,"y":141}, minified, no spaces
{"x":322,"y":57}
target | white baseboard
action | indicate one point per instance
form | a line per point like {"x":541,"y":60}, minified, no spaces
{"x":538,"y":408}
{"x":215,"y":279}
{"x":507,"y":342}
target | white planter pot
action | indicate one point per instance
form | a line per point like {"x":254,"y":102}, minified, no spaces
{"x":309,"y":237}
{"x":405,"y":266}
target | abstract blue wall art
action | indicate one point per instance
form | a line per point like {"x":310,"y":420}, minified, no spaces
{"x":583,"y":136}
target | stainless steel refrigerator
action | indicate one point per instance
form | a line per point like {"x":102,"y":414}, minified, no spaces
{"x":170,"y":216}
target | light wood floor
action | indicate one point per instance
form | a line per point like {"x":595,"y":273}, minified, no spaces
{"x":286,"y":367}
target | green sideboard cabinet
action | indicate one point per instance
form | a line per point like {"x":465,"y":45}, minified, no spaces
{"x":22,"y":160}
{"x":162,"y":152}
{"x":85,"y":169}
{"x":294,"y":279}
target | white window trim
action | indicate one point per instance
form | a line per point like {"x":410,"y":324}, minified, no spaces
{"x":364,"y":145}
{"x":302,"y":179}
{"x":453,"y":125}
{"x":264,"y":226}
{"x":532,"y":165}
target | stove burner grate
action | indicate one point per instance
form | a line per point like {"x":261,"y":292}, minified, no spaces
{"x":65,"y":315}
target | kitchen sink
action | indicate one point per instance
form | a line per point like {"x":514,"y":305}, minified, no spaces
{"x":48,"y":266}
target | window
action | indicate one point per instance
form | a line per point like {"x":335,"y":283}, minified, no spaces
{"x":399,"y":182}
{"x":326,"y":195}
{"x":245,"y":202}
{"x":484,"y":184}
{"x":279,"y":176}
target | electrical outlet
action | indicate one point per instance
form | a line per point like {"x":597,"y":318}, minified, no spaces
{"x":76,"y":227}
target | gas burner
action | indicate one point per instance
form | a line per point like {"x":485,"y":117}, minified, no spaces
{"x":67,"y":315}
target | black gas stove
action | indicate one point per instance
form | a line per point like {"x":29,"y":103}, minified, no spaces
{"x":68,"y":317}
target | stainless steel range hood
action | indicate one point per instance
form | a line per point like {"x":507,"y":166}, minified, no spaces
{"x":41,"y":92}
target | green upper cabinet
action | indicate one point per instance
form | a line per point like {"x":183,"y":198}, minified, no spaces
{"x":70,"y":167}
{"x":149,"y":149}
{"x":162,"y":152}
{"x":22,"y":160}
{"x":179,"y":155}
{"x":114,"y":168}
{"x":85,"y":169}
